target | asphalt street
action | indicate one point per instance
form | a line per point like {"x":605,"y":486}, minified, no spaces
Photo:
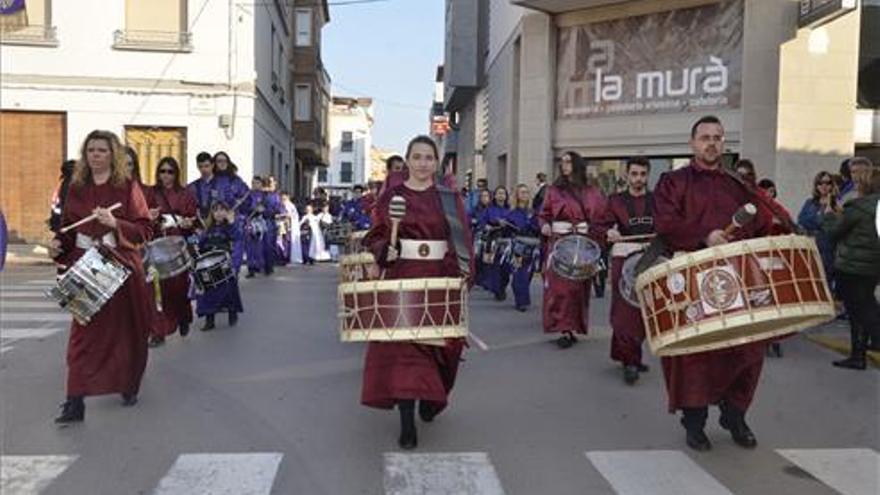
{"x":272,"y":406}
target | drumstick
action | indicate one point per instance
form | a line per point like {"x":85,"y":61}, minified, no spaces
{"x":640,"y":237}
{"x":743,"y":216}
{"x":87,"y":219}
{"x":396,"y":210}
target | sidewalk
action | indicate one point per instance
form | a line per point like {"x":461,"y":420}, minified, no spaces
{"x":27,"y":254}
{"x":834,"y":335}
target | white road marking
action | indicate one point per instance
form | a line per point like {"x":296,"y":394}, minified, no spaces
{"x":221,"y":474}
{"x":467,"y":473}
{"x":7,"y":305}
{"x":4,"y":349}
{"x":47,"y":283}
{"x":6,"y":317}
{"x":658,"y":472}
{"x":477,"y":340}
{"x":28,"y":333}
{"x":849,"y":471}
{"x":30,"y":474}
{"x":22,"y":294}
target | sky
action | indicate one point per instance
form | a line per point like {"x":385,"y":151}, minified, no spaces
{"x":388,"y":50}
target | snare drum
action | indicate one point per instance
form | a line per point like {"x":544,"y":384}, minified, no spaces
{"x":627,"y":283}
{"x":576,"y":257}
{"x":355,"y":267}
{"x":411,"y":309}
{"x":212,"y":269}
{"x":734,"y":294}
{"x":168,"y":255}
{"x":87,"y":286}
{"x":257,"y":226}
{"x":336,"y":233}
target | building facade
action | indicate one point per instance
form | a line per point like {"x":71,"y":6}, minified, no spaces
{"x":311,"y":95}
{"x":611,"y":79}
{"x":170,"y":77}
{"x":351,"y":141}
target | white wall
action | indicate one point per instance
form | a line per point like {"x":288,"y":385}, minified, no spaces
{"x":358,"y":122}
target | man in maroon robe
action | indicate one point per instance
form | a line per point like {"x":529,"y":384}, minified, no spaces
{"x":692,"y":207}
{"x":629,"y":214}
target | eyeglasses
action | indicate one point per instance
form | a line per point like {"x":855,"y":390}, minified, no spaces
{"x":166,"y":171}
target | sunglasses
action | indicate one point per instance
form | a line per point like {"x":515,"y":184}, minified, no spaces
{"x":166,"y":171}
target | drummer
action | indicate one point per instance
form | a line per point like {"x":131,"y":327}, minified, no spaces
{"x":692,"y":207}
{"x":492,"y":224}
{"x":629,"y":214}
{"x":234,"y":192}
{"x":205,"y":188}
{"x":571,"y":206}
{"x":483,"y":203}
{"x":353,"y":210}
{"x":222,"y":233}
{"x":401,"y":373}
{"x":521,"y":268}
{"x":260,"y":226}
{"x":173,"y":210}
{"x":109,"y":354}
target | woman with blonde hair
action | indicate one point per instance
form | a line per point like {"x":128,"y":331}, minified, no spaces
{"x":521,"y":265}
{"x":109,"y":354}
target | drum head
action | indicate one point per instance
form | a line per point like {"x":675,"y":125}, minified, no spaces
{"x":576,"y":250}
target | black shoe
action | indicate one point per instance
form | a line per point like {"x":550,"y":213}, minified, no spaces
{"x":500,"y":296}
{"x":643,"y":368}
{"x":209,"y":323}
{"x":408,"y":439}
{"x":777,"y":349}
{"x":697,"y":440}
{"x":129,"y":400}
{"x":427,"y":411}
{"x":522,"y":309}
{"x":852,"y":363}
{"x":630,"y":374}
{"x":156,"y":341}
{"x":73,"y":410}
{"x":184,"y":329}
{"x":740,"y":432}
{"x":233,"y":318}
{"x":567,"y":340}
{"x":250,"y":274}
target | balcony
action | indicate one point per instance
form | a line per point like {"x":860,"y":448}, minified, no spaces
{"x":29,"y":35}
{"x":560,"y":6}
{"x":159,"y":41}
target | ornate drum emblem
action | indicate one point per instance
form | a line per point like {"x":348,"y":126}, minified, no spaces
{"x":719,"y":289}
{"x":424,"y":250}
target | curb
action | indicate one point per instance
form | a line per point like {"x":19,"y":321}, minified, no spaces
{"x":841,"y":345}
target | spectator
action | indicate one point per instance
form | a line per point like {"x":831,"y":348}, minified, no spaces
{"x":858,"y":264}
{"x":60,"y":195}
{"x":859,"y":167}
{"x":540,"y":187}
{"x":810,"y":219}
{"x":746,"y":169}
{"x":768,"y":186}
{"x":473,"y":197}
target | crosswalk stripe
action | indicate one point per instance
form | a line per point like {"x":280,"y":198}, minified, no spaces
{"x":219,"y":474}
{"x":29,"y":333}
{"x":5,"y":348}
{"x":659,"y":472}
{"x":34,"y":317}
{"x":849,"y":471}
{"x":46,"y":283}
{"x":466,"y":473}
{"x":22,"y":294}
{"x":7,"y":305}
{"x":30,"y":474}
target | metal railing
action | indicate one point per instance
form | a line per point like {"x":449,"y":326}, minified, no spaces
{"x":29,"y":35}
{"x":135,"y":39}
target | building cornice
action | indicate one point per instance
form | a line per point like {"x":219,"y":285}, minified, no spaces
{"x":135,"y":85}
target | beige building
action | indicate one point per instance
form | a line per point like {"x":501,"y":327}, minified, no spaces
{"x":795,"y":84}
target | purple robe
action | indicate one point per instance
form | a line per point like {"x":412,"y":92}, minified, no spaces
{"x":225,"y":297}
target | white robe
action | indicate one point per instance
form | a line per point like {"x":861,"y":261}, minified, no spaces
{"x":296,"y":255}
{"x":317,"y":249}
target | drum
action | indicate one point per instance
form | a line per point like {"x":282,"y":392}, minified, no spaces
{"x":257,"y":226}
{"x":355,"y":242}
{"x":212,"y":269}
{"x":355,"y":267}
{"x":734,"y":294}
{"x":411,"y":309}
{"x":627,"y":283}
{"x":336,"y":233}
{"x":576,"y":257}
{"x":169,"y":256}
{"x":87,"y":286}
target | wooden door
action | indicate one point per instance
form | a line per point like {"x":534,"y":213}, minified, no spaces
{"x":154,"y":143}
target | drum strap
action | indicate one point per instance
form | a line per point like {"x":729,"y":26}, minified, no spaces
{"x":456,"y":229}
{"x":636,"y":224}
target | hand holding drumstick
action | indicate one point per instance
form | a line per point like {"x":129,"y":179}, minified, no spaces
{"x":103,"y":215}
{"x":396,"y":210}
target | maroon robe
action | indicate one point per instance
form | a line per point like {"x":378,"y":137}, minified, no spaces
{"x":567,"y":302}
{"x":396,"y":371}
{"x":628,"y":329}
{"x":176,"y":306}
{"x":109,"y":354}
{"x":689,"y":204}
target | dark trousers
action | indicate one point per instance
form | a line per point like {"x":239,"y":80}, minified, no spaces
{"x":857,"y":292}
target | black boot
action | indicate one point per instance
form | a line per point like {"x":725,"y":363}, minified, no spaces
{"x":184,"y":329}
{"x":427,"y":411}
{"x":156,"y":341}
{"x":233,"y":318}
{"x":643,"y":368}
{"x":630,"y":374}
{"x":408,"y":438}
{"x":73,"y":410}
{"x":129,"y":399}
{"x":567,"y":340}
{"x":694,"y":420}
{"x":856,"y":359}
{"x":734,"y":421}
{"x":209,"y":323}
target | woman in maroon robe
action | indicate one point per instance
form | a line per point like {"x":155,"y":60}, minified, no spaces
{"x":172,"y":208}
{"x":399,"y":373}
{"x":570,"y":206}
{"x":109,"y":354}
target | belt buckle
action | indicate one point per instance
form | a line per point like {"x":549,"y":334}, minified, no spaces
{"x":424,"y":250}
